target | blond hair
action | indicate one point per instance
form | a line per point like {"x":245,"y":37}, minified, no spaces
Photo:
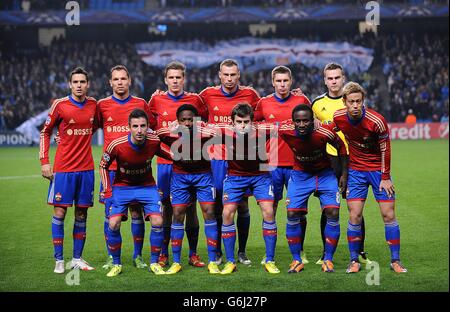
{"x":353,"y":87}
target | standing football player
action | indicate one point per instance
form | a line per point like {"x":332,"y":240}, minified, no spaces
{"x":133,"y":182}
{"x":245,"y":172}
{"x":72,"y":176}
{"x":324,"y":107}
{"x":312,"y":173}
{"x":163,"y":106}
{"x":220,"y":101}
{"x":191,"y":177}
{"x":367,"y":134}
{"x":275,"y":109}
{"x":113,"y":113}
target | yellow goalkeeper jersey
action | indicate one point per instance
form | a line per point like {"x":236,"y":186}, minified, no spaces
{"x":324,"y":107}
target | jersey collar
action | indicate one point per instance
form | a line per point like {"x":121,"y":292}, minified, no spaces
{"x":229,"y":94}
{"x":136,"y":147}
{"x":121,"y":101}
{"x":280,"y":100}
{"x":334,"y":97}
{"x":175,"y":98}
{"x":357,"y":121}
{"x":75,"y":102}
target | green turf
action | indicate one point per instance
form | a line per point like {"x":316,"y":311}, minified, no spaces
{"x":420,"y":172}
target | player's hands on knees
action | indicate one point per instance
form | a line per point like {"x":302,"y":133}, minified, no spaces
{"x":47,"y":172}
{"x":342,"y":184}
{"x":388,"y":187}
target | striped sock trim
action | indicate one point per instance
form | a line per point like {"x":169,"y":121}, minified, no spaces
{"x":354,"y":227}
{"x":392,"y":224}
{"x":137,"y":221}
{"x":228,"y":228}
{"x":333,"y":223}
{"x":80,"y":223}
{"x":210,"y":223}
{"x":269,"y":226}
{"x":157,"y":229}
{"x":293,"y":221}
{"x":57,"y":221}
{"x":177,"y":226}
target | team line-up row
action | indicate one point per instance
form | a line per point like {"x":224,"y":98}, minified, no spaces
{"x":310,"y":157}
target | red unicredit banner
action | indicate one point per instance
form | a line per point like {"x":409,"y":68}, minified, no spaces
{"x":419,"y":131}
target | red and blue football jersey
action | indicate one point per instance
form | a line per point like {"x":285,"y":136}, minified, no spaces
{"x":220,"y":105}
{"x":164,"y":108}
{"x":112,"y":115}
{"x":196,"y":161}
{"x":275,"y":110}
{"x":368,"y":141}
{"x":134,"y":162}
{"x":76,"y":123}
{"x":310,"y":152}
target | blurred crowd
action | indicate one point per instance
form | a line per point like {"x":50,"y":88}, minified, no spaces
{"x":40,"y":5}
{"x":408,"y":72}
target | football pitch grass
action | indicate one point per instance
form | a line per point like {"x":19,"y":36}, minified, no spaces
{"x":420,"y":171}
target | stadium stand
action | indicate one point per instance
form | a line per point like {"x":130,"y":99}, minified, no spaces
{"x":409,"y":71}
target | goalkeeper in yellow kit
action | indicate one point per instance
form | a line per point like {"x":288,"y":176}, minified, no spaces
{"x":324,"y":107}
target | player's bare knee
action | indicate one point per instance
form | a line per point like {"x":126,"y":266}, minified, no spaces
{"x":389,"y":218}
{"x":179,"y":214}
{"x":331,"y":213}
{"x":156,"y":220}
{"x":208,"y":212}
{"x":114,"y":223}
{"x":59,"y":212}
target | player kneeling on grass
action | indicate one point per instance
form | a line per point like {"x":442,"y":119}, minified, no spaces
{"x":312,"y":173}
{"x":133,"y":183}
{"x":245,"y":173}
{"x":367,"y":134}
{"x":191,"y":178}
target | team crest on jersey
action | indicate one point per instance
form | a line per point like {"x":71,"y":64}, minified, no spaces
{"x":106,"y":157}
{"x":48,"y":120}
{"x":288,"y":201}
{"x":225,"y":196}
{"x":58,"y":197}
